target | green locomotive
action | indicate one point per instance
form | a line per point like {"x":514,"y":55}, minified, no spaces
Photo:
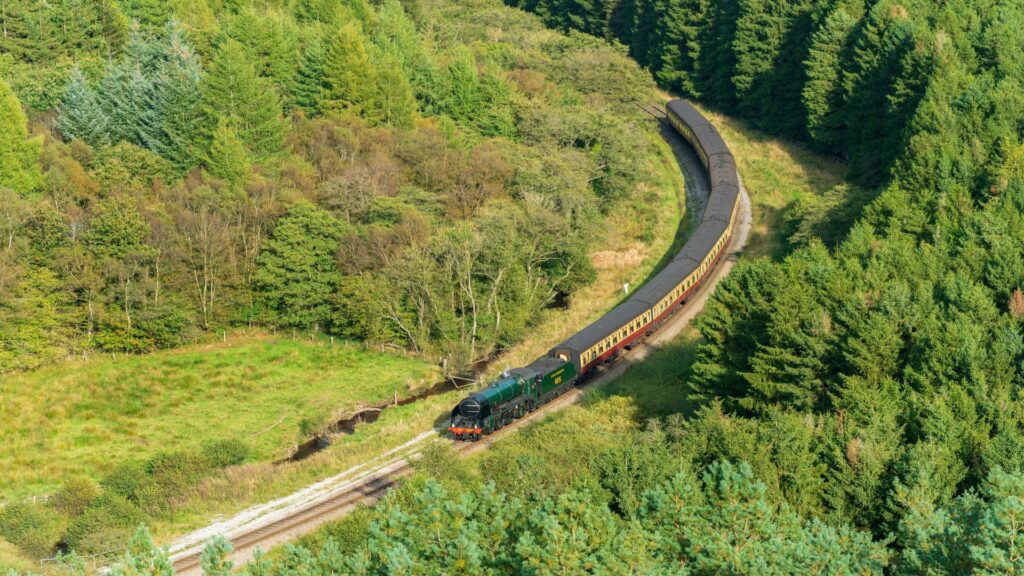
{"x":513,"y":395}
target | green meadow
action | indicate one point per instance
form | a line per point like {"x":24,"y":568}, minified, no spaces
{"x":83,"y":418}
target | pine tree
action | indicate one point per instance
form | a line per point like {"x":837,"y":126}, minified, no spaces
{"x":81,"y":115}
{"x":228,"y":158}
{"x":19,"y":156}
{"x":308,"y":81}
{"x":214,"y":558}
{"x":717,"y":58}
{"x":394,"y":101}
{"x":822,"y":94}
{"x":882,"y":89}
{"x":176,"y":95}
{"x":151,"y":14}
{"x":231,"y":89}
{"x":349,"y":77}
{"x":397,"y":37}
{"x":678,"y":45}
{"x":273,"y":40}
{"x":90,"y":26}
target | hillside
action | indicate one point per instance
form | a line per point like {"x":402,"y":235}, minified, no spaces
{"x":365,"y":172}
{"x":849,"y":403}
{"x":507,"y":201}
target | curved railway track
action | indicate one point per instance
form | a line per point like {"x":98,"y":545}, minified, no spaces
{"x":271,"y":524}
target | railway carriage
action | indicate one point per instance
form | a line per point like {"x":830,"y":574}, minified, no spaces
{"x":523,"y":389}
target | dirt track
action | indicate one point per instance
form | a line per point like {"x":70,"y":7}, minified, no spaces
{"x":284,"y":519}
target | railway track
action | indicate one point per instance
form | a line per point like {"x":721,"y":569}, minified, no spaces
{"x":283,"y":520}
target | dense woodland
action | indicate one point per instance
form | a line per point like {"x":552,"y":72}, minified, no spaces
{"x":318,"y":166}
{"x":858,"y":404}
{"x":875,"y":381}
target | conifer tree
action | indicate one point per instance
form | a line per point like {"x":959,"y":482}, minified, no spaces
{"x":394,"y":103}
{"x":228,"y":158}
{"x":882,"y":89}
{"x":678,"y":46}
{"x":91,"y":26}
{"x":81,"y":115}
{"x":771,"y":44}
{"x":822,"y":94}
{"x":151,"y":14}
{"x":176,"y":95}
{"x":349,"y":77}
{"x":231,"y":89}
{"x":127,"y":99}
{"x":19,"y":156}
{"x":717,"y":58}
{"x":272,"y":38}
{"x":298,"y":270}
{"x":308,"y":80}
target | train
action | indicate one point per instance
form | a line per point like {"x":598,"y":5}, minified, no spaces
{"x":522,"y":390}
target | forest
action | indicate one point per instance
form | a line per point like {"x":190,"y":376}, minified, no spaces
{"x":175,"y":170}
{"x":856,"y":405}
{"x":881,"y":370}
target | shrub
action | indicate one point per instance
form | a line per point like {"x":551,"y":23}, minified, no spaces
{"x":169,"y":475}
{"x":104,"y":526}
{"x":223,"y":453}
{"x":74,"y":497}
{"x":124,"y":479}
{"x":31,"y":527}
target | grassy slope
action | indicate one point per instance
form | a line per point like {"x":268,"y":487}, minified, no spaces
{"x":776,"y":174}
{"x":83,"y":418}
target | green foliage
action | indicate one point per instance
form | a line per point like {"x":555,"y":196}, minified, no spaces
{"x":348,"y":75}
{"x":213,"y":559}
{"x":39,"y":31}
{"x":308,"y":79}
{"x":81,"y":113}
{"x":74,"y":496}
{"x":31,"y":527}
{"x":228,"y":158}
{"x":19,"y":156}
{"x":105,"y":525}
{"x":142,"y":557}
{"x":297,"y":269}
{"x":224,"y":453}
{"x":721,"y":524}
{"x":407,"y":136}
{"x":233,"y":91}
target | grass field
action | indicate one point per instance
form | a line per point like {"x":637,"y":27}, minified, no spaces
{"x":82,"y":418}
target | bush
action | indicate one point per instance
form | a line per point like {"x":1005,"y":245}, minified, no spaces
{"x":104,"y":526}
{"x":223,"y":453}
{"x":125,"y":479}
{"x":75,"y":496}
{"x":33,"y":528}
{"x":169,"y":475}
